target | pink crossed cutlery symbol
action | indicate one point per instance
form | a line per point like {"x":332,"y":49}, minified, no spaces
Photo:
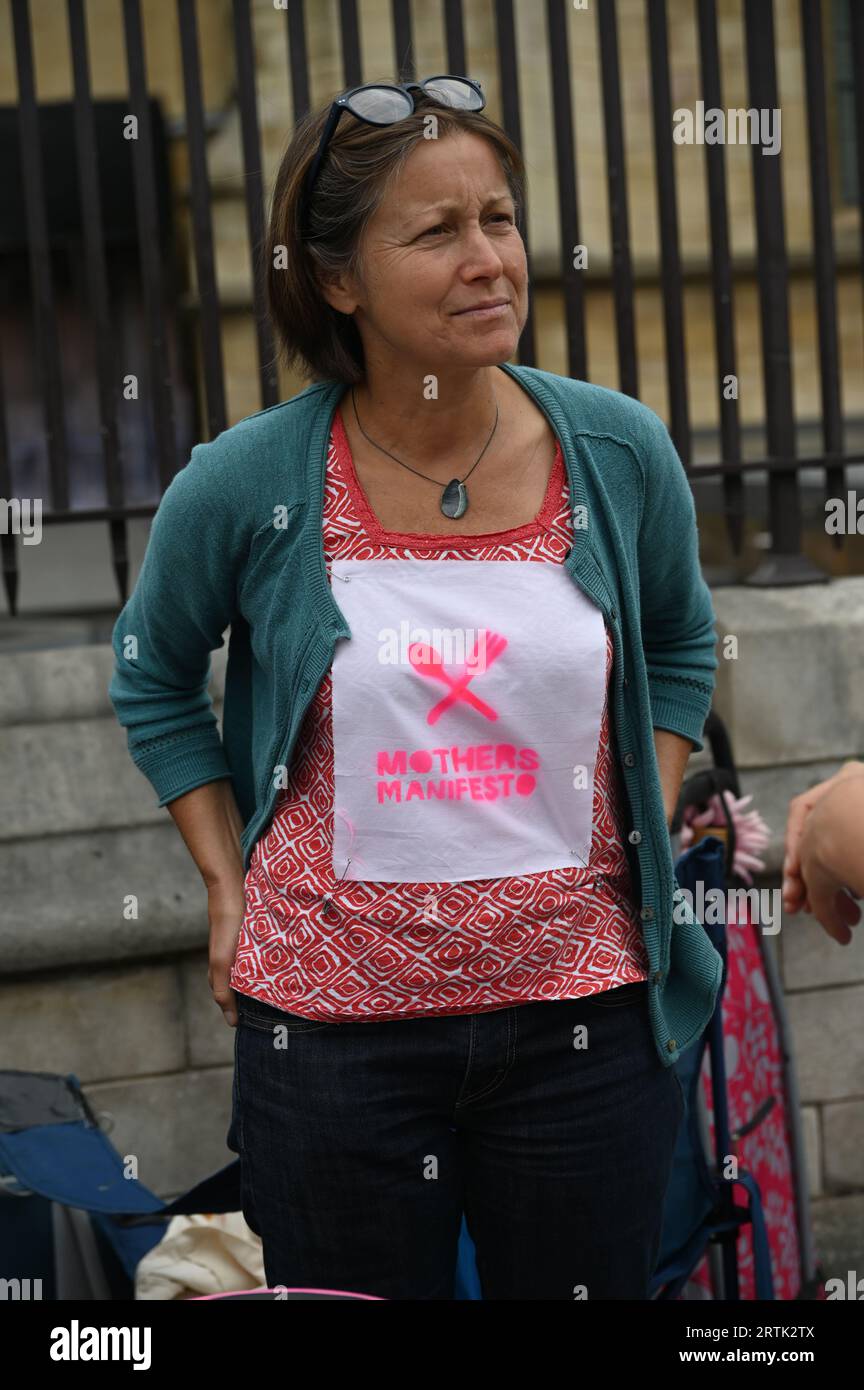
{"x":427,"y":662}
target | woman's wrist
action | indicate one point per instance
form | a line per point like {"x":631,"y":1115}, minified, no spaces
{"x":228,"y":877}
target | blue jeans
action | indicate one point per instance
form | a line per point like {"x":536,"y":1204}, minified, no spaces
{"x":362,"y":1144}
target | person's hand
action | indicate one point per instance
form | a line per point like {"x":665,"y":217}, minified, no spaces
{"x":795,"y":886}
{"x":226,"y":906}
{"x":828,"y":898}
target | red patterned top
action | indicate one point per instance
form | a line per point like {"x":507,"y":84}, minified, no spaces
{"x":374,"y":950}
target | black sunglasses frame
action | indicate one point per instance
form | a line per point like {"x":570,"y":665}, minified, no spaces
{"x":342,"y":103}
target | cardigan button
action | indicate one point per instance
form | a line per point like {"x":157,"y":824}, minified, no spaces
{"x":629,"y":759}
{"x":646,"y":914}
{"x":626,"y":680}
{"x":635,"y":837}
{"x":612,"y":614}
{"x":658,"y":976}
{"x":671,"y":1045}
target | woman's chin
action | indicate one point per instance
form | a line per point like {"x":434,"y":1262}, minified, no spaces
{"x":486,"y":348}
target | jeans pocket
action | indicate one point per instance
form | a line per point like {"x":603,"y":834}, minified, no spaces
{"x":619,"y":996}
{"x":254,"y":1013}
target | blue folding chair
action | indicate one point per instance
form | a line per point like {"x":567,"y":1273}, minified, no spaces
{"x":54,"y":1157}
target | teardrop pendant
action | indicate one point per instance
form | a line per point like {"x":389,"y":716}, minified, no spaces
{"x":454,"y":499}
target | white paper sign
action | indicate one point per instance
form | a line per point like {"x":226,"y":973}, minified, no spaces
{"x":466,"y":719}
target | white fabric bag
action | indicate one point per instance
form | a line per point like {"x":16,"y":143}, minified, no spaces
{"x":202,"y":1254}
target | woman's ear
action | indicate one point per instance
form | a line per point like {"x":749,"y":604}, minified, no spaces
{"x":338,"y":291}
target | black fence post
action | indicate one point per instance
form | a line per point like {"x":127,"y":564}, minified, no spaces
{"x":785,"y":564}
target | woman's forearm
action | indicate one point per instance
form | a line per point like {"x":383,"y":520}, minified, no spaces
{"x":209,"y":820}
{"x":673,"y":753}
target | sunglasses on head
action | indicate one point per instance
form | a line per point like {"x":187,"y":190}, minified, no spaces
{"x":384,"y":103}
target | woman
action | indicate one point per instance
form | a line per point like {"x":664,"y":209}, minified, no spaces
{"x":440,"y":883}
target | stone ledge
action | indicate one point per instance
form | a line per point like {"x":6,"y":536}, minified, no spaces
{"x":780,"y":709}
{"x":843,"y":1131}
{"x":838,"y":1234}
{"x":47,"y":767}
{"x":826,"y":1039}
{"x":113,"y":1023}
{"x":59,"y":684}
{"x":812,"y":959}
{"x":64,"y":897}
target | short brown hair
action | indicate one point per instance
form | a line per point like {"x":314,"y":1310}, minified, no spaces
{"x":360,"y":163}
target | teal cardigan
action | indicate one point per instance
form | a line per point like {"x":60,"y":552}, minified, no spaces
{"x":237,"y":543}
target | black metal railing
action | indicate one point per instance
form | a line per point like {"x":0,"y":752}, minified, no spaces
{"x":784,"y":564}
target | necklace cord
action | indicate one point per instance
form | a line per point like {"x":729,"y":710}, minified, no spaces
{"x":436,"y":481}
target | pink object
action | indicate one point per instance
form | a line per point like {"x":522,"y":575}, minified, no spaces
{"x":754,"y":1073}
{"x":751,"y":832}
{"x":426,"y":662}
{"x":495,"y":645}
